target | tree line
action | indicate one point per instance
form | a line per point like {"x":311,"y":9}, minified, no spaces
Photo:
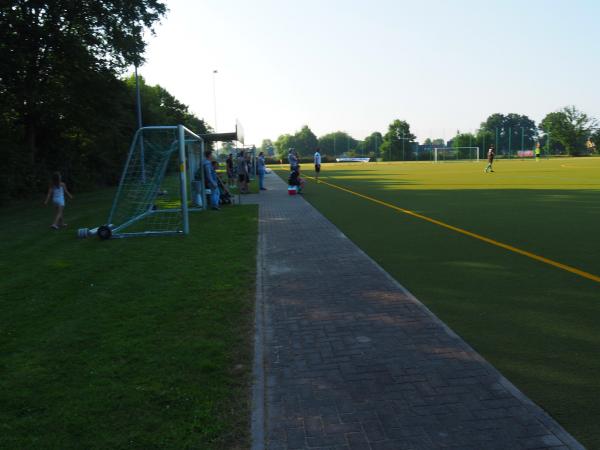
{"x":66,"y":105}
{"x":568,"y":131}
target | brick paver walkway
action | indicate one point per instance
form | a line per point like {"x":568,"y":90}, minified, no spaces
{"x":347,"y":359}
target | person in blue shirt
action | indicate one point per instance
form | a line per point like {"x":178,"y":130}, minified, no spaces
{"x":261,"y":171}
{"x":210,"y":180}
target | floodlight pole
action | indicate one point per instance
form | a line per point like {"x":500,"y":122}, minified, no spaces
{"x":496,"y":139}
{"x":509,"y":140}
{"x":215,"y":72}
{"x":482,"y":145}
{"x":522,"y":138}
{"x":403,"y":156}
{"x":334,"y":145}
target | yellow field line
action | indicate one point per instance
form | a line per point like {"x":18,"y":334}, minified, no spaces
{"x":550,"y":262}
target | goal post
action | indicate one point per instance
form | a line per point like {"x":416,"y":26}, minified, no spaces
{"x":163,"y":167}
{"x":161,"y":183}
{"x":450,"y":154}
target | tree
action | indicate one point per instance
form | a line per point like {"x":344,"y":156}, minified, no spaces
{"x":398,"y":142}
{"x":510,"y":132}
{"x":484,"y":139}
{"x":371,"y":145}
{"x":432,"y":143}
{"x":159,"y":106}
{"x":283,"y":144}
{"x":59,"y":62}
{"x":227,"y":148}
{"x":595,"y":140}
{"x":267,"y":147}
{"x":337,"y":143}
{"x":569,"y":127}
{"x":464,"y":140}
{"x":305,"y":141}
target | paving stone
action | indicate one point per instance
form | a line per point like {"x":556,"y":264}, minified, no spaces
{"x":353,"y":361}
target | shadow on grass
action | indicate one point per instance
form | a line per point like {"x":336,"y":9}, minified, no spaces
{"x":137,"y":343}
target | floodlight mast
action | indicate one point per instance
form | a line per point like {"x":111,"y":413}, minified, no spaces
{"x":400,"y":139}
{"x":215,"y":72}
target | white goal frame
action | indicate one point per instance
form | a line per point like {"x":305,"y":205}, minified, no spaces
{"x":438,"y":150}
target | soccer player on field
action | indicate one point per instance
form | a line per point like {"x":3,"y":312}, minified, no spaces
{"x":317,"y":164}
{"x":491,"y":154}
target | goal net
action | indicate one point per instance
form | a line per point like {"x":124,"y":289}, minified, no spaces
{"x":152,"y":197}
{"x":444,"y":154}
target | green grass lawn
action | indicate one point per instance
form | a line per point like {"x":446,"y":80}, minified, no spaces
{"x":536,"y":323}
{"x":131,"y":343}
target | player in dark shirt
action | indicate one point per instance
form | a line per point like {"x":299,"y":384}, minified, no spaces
{"x":491,"y":154}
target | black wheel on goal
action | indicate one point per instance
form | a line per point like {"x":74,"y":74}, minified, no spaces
{"x":104,"y":232}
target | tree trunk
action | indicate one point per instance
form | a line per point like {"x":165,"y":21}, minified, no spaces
{"x":30,"y":140}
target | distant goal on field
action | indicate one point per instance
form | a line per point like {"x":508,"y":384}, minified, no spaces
{"x":450,"y":154}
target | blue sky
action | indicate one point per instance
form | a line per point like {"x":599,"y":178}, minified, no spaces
{"x":356,"y":66}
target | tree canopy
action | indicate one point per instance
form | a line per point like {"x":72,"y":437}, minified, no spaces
{"x":303,"y":141}
{"x":267,"y":147}
{"x":371,"y":145}
{"x":64,"y":105}
{"x":398,"y":142}
{"x":571,"y":128}
{"x":337,"y":143}
{"x":508,"y":132}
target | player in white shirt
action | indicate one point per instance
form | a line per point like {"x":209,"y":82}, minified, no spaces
{"x":317,"y":164}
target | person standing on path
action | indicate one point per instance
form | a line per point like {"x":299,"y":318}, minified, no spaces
{"x":317,"y":158}
{"x":490,"y":157}
{"x":229,"y":165}
{"x":293,"y":159}
{"x":242,"y":170}
{"x":210,"y":180}
{"x":261,"y":171}
{"x":57,"y":191}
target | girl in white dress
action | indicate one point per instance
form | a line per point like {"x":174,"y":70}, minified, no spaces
{"x":57,"y":191}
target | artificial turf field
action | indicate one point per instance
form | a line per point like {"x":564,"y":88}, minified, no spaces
{"x":537,"y":323}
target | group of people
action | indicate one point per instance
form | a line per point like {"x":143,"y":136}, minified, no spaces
{"x":238,"y":170}
{"x":295,"y":179}
{"x":216,"y":189}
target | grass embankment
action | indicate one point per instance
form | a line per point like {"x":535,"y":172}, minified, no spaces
{"x":131,"y":343}
{"x":536,"y":323}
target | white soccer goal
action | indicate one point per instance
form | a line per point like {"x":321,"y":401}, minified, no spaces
{"x":446,"y":154}
{"x":163,"y":167}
